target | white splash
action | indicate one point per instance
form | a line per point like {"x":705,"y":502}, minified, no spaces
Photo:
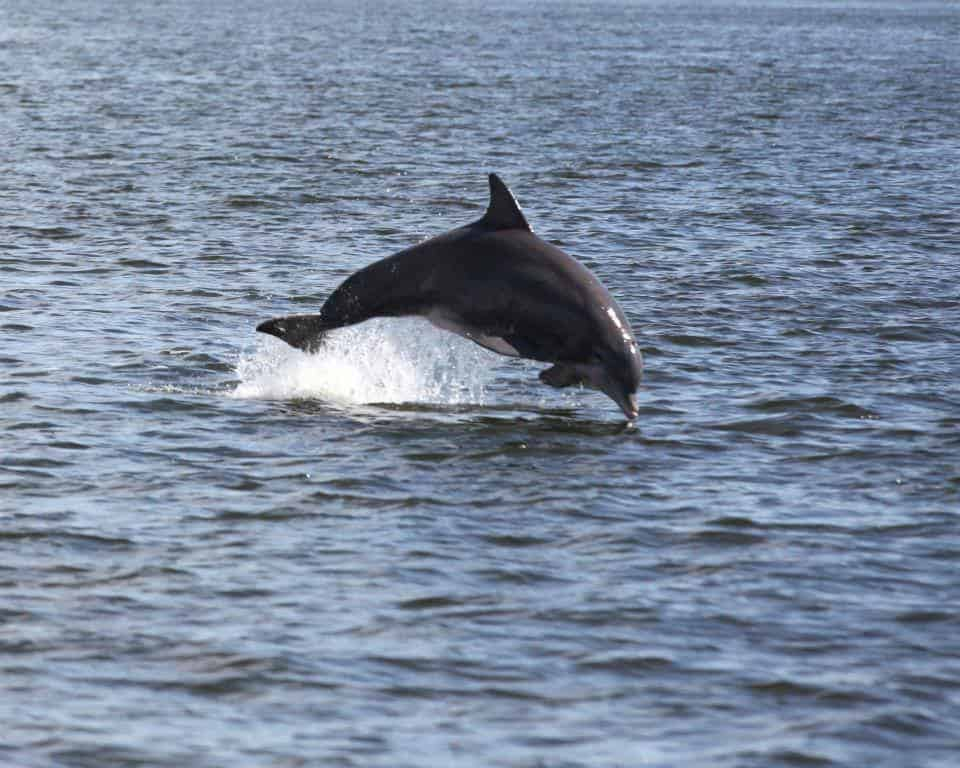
{"x":380,"y":361}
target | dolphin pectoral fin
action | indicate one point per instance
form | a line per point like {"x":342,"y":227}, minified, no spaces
{"x":300,"y":331}
{"x":560,"y":375}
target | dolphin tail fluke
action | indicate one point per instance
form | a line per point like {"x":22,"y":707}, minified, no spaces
{"x":301,"y":331}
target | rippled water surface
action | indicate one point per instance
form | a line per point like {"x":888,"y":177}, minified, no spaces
{"x":404,"y":550}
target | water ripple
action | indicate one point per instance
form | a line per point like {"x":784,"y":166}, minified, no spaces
{"x":404,"y":550}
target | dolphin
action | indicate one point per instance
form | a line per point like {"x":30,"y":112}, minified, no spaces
{"x":496,"y":283}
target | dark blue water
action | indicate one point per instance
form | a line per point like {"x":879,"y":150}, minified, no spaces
{"x":405,"y":551}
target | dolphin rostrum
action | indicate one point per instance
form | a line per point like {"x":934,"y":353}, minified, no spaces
{"x":501,"y":286}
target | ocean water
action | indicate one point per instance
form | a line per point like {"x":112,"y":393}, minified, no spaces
{"x":403,"y":550}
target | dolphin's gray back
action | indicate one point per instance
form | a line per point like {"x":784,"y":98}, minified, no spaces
{"x":484,"y":281}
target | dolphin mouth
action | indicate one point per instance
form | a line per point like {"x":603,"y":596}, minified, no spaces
{"x":628,"y":404}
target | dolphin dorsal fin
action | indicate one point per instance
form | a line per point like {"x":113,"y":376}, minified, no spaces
{"x":503,"y":211}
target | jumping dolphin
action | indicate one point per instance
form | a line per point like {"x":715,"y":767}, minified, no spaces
{"x":499,"y":285}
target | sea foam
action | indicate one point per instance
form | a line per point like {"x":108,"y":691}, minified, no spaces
{"x":380,"y":361}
